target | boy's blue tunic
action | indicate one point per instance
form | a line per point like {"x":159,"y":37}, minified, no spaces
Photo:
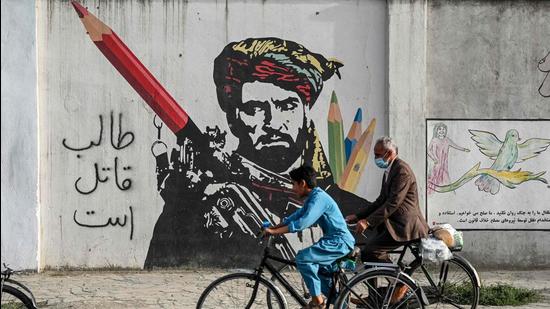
{"x":312,"y":262}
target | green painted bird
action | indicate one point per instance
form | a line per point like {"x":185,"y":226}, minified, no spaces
{"x":506,"y":154}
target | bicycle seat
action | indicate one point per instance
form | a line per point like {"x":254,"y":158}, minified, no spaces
{"x":352,"y":255}
{"x":348,"y":261}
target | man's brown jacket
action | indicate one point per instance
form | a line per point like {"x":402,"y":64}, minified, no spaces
{"x":397,"y":207}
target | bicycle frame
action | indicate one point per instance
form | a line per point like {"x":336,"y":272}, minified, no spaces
{"x":265,"y":264}
{"x":418,"y":262}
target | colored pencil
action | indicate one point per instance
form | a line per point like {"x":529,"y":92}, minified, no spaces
{"x":137,"y":75}
{"x":359,"y":157}
{"x":337,"y":155}
{"x":354,"y":134}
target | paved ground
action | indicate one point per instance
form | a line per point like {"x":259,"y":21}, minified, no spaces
{"x":181,"y":288}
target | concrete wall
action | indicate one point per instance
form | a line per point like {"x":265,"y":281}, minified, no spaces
{"x":193,"y":210}
{"x":471,"y":60}
{"x":19,"y":135}
{"x":447,"y":59}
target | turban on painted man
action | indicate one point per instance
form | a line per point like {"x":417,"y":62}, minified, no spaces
{"x":286,"y":64}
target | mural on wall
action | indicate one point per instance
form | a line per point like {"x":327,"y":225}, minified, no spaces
{"x":215,"y":200}
{"x":504,"y":154}
{"x":266,"y":91}
{"x":544,"y":67}
{"x":86,"y":187}
{"x":517,"y":162}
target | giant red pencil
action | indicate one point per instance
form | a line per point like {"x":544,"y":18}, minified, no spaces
{"x":146,"y":85}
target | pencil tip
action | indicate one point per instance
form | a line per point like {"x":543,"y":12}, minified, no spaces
{"x":333,"y":98}
{"x":358,"y":115}
{"x":80,"y":10}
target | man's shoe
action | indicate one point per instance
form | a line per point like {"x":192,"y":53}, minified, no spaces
{"x":398,"y":294}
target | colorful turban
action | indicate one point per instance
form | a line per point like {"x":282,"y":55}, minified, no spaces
{"x":286,"y":64}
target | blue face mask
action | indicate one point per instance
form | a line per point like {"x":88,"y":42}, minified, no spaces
{"x":381,"y":163}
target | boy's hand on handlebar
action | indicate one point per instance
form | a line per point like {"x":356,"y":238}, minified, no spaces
{"x":362,"y":225}
{"x":351,"y":218}
{"x":277,"y":226}
{"x":276,"y":230}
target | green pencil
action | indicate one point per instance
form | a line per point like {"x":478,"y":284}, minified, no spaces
{"x":337,"y":155}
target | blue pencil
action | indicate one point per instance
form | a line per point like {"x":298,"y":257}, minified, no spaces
{"x":354,"y":134}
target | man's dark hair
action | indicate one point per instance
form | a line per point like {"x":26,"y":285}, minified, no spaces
{"x":305,"y":173}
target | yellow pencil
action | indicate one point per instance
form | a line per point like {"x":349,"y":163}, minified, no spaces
{"x":337,"y":155}
{"x":359,"y":157}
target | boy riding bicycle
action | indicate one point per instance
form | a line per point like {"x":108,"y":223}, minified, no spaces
{"x":319,"y":208}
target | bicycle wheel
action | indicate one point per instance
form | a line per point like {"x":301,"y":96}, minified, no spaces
{"x":292,"y":275}
{"x":12,"y":298}
{"x":236,"y":291}
{"x":454,"y":284}
{"x":374,"y":289}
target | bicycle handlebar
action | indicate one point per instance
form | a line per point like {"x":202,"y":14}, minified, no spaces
{"x":7,"y":272}
{"x":262,"y":235}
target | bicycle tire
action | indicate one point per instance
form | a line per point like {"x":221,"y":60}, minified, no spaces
{"x":206,"y":298}
{"x":464,"y":281}
{"x":22,"y":297}
{"x":374,"y":296}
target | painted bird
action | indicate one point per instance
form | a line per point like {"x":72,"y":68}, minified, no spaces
{"x":505,"y":154}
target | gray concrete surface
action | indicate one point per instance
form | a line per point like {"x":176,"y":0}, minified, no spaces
{"x":182,"y":288}
{"x":469,"y":76}
{"x":19,"y":135}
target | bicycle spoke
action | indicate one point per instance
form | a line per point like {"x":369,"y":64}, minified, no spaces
{"x":406,"y":300}
{"x":238,"y":291}
{"x":449,"y":285}
{"x":375,"y":290}
{"x":389,"y":292}
{"x":450,"y":302}
{"x":293,"y":277}
{"x":370,"y":287}
{"x":360,"y":297}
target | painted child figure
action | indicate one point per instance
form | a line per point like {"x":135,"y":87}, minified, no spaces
{"x":438,"y":151}
{"x":319,"y":208}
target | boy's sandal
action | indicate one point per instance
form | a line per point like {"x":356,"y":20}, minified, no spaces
{"x":311,"y":305}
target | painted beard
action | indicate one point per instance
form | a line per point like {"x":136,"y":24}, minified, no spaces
{"x":274,"y":151}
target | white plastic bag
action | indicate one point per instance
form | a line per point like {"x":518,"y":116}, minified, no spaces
{"x":449,"y":235}
{"x":435,"y":250}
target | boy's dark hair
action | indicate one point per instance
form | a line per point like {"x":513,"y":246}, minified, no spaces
{"x":305,"y":173}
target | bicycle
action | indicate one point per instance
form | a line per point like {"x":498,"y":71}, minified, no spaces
{"x":14,"y":293}
{"x":374,"y":288}
{"x":443,"y":285}
{"x":251,"y":288}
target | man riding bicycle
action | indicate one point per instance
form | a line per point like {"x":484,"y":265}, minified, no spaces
{"x":319,"y":208}
{"x":394,"y":218}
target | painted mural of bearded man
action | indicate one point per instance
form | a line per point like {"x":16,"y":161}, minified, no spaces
{"x":215,"y":202}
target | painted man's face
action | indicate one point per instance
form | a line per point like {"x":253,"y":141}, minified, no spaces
{"x":271,"y":125}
